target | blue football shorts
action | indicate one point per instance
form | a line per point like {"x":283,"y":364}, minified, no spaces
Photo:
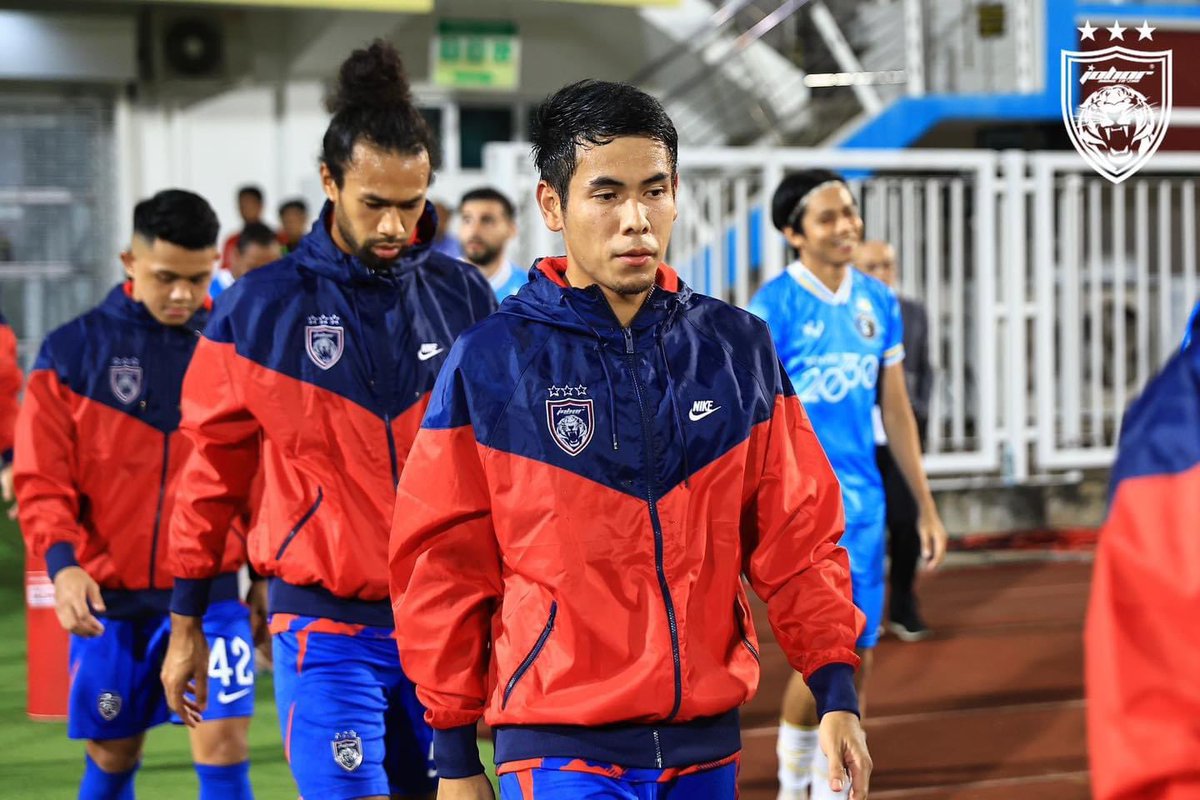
{"x":351,"y":722}
{"x":866,"y":543}
{"x":115,"y":689}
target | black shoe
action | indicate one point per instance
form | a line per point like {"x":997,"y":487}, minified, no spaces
{"x":909,"y":627}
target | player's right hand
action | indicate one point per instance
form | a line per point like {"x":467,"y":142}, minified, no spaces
{"x":845,"y":745}
{"x":6,"y":490}
{"x":185,"y":669}
{"x":76,"y":596}
{"x":477,"y":787}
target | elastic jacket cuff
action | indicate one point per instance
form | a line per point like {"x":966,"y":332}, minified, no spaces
{"x":60,"y":556}
{"x":456,"y":752}
{"x":189,"y":597}
{"x":833,"y":688}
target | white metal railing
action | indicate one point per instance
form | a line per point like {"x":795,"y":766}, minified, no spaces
{"x":1052,"y":295}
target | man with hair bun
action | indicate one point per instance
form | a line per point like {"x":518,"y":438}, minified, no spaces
{"x":98,"y":458}
{"x":316,"y":370}
{"x":838,"y":333}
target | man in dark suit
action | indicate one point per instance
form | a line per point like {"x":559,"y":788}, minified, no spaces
{"x":878,"y":259}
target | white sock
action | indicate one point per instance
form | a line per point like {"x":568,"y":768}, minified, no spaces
{"x":795,"y":749}
{"x":820,"y":780}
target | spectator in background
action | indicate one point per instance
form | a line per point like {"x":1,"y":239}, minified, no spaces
{"x":443,"y":242}
{"x":293,"y":224}
{"x":250,"y":208}
{"x":257,"y":246}
{"x":10,"y":392}
{"x":878,"y":259}
{"x":487,"y":224}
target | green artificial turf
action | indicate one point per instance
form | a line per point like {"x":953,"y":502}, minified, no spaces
{"x":38,"y":762}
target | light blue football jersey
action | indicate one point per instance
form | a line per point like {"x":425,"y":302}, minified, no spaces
{"x":833,"y":345}
{"x":507,"y":280}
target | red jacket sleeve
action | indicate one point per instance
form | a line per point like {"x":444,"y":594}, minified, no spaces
{"x":43,"y":475}
{"x":217,"y":479}
{"x":445,"y":581}
{"x":1143,"y":651}
{"x":10,"y":390}
{"x":791,"y":523}
{"x":1142,"y":648}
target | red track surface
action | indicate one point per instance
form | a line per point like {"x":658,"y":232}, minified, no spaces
{"x":990,"y":708}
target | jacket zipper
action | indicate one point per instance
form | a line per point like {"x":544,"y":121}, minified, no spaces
{"x":162,"y":495}
{"x":656,"y":524}
{"x":300,"y":525}
{"x":529,"y":659}
{"x":741,"y":619}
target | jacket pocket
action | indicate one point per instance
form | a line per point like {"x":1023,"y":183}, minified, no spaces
{"x":741,"y":615}
{"x":299,"y":526}
{"x":531,"y":656}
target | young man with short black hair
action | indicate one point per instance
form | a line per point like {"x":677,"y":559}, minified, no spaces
{"x":601,"y":462}
{"x":98,"y":460}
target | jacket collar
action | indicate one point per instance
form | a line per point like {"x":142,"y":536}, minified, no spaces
{"x":549,"y":283}
{"x":318,"y":252}
{"x":119,"y":303}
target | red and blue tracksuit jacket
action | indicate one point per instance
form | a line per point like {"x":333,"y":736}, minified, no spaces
{"x":574,"y":520}
{"x":11,"y":381}
{"x":1142,"y":640}
{"x":99,"y":453}
{"x":315,"y":370}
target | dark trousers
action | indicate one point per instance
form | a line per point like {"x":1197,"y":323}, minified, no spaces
{"x":904,"y":543}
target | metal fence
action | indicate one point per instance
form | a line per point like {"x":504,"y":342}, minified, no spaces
{"x":1052,"y":295}
{"x":57,"y":244}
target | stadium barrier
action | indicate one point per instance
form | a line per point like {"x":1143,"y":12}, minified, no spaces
{"x":1053,"y":295}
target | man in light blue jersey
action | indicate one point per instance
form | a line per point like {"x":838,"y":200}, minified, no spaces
{"x":839,"y":335}
{"x":1187,"y":336}
{"x":487,"y":225}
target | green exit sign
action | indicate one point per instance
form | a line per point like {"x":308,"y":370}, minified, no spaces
{"x":476,"y":55}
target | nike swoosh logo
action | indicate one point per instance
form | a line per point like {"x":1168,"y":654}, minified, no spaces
{"x":425,"y":355}
{"x":694,"y":417}
{"x":229,"y":698}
